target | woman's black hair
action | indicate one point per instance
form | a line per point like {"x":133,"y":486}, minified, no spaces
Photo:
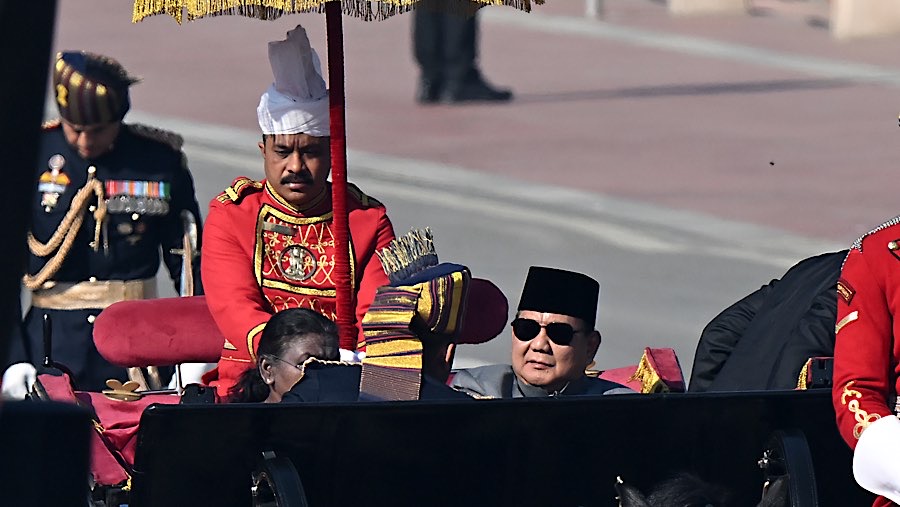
{"x":283,"y":330}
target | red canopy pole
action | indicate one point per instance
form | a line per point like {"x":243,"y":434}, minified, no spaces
{"x":341,"y":225}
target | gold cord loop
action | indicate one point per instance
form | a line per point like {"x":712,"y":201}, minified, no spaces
{"x":62,"y":239}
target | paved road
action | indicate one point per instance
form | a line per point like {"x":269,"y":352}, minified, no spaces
{"x":683,"y":162}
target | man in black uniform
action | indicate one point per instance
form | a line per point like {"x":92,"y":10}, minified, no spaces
{"x":110,"y":196}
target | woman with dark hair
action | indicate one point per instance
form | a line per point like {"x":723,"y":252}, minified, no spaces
{"x":290,"y":338}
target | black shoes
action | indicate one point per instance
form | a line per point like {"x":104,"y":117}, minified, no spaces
{"x":472,"y":90}
{"x":476,"y":90}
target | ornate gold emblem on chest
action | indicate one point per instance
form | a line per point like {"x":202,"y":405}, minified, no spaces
{"x":295,"y":254}
{"x":296,"y":262}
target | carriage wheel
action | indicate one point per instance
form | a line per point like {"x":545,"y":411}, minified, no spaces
{"x":789,"y":470}
{"x":277,"y":484}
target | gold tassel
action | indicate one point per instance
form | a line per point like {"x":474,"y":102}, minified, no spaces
{"x":146,"y":8}
{"x":649,"y":377}
{"x":801,"y":380}
{"x":271,"y":9}
{"x":408,"y":255}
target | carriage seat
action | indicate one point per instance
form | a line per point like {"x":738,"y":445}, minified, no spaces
{"x":154,"y":332}
{"x":658,"y":371}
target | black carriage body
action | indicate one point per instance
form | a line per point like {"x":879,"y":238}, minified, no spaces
{"x":547,"y":452}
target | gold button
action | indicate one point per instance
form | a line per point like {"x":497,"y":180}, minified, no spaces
{"x":92,"y":208}
{"x":135,"y":216}
{"x":893,"y":245}
{"x":92,"y":170}
{"x":92,"y":279}
{"x":91,"y":319}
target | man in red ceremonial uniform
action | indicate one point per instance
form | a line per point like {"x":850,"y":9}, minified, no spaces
{"x":867,"y":360}
{"x":269,"y":245}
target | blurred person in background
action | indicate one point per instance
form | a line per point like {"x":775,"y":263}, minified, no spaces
{"x":445,"y":42}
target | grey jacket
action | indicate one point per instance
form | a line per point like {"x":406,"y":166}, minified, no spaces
{"x":499,"y":381}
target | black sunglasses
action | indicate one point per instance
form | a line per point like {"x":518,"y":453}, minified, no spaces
{"x":559,"y":333}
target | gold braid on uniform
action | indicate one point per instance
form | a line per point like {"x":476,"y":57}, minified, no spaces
{"x":64,"y":236}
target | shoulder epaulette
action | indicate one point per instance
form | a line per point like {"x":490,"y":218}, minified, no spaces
{"x":166,"y":137}
{"x":365,"y":200}
{"x":51,"y":124}
{"x":241,"y":186}
{"x":857,"y":245}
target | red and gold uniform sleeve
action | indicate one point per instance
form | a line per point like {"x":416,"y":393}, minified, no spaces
{"x":373,"y":275}
{"x":232,"y":293}
{"x":865,"y":365}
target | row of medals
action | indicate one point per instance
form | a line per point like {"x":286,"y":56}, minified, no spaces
{"x":143,"y":205}
{"x":119,"y":204}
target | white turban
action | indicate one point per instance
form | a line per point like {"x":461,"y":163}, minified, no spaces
{"x":297,"y":102}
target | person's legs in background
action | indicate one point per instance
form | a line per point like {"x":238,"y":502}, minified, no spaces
{"x":428,"y":47}
{"x":463,"y":80}
{"x":446,"y":49}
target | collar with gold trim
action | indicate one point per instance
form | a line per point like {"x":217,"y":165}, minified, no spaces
{"x":315,"y":203}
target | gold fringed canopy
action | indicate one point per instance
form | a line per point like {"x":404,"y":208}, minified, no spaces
{"x":271,"y":9}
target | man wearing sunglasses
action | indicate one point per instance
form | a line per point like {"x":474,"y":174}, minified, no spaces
{"x":553,"y":342}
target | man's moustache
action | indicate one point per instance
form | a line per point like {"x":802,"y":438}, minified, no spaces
{"x":296,"y":178}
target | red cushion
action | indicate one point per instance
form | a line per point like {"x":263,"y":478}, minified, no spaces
{"x":623,"y":375}
{"x":158,"y":332}
{"x":658,"y":371}
{"x":486,"y":312}
{"x":665,"y":363}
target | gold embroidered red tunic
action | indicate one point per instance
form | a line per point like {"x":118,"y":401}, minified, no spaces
{"x":261,"y":255}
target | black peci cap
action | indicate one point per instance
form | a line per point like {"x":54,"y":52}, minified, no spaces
{"x":551,"y":290}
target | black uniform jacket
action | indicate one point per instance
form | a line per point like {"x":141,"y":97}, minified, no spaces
{"x":762,"y":341}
